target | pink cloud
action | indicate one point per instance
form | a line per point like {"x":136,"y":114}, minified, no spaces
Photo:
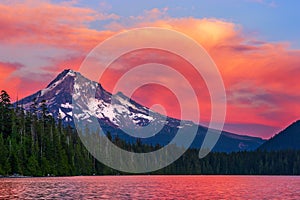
{"x":61,"y":25}
{"x":7,"y":81}
{"x":261,"y":78}
{"x":271,"y":70}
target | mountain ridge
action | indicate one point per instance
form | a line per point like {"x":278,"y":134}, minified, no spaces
{"x":58,"y":96}
{"x":287,"y":139}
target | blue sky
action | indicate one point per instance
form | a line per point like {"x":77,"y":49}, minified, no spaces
{"x":254,"y":43}
{"x":267,"y":19}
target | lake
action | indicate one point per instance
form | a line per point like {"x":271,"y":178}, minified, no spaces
{"x":152,"y":187}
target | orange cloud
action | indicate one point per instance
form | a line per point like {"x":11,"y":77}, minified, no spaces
{"x":61,"y":25}
{"x":261,"y":78}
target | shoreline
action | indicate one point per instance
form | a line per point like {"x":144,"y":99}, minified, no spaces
{"x":21,"y":176}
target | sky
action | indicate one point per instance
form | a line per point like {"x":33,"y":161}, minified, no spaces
{"x":254,"y":43}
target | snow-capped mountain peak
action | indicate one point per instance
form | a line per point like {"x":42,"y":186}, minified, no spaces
{"x":120,"y":115}
{"x":103,"y":105}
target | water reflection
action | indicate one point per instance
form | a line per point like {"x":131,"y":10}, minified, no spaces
{"x":152,"y":187}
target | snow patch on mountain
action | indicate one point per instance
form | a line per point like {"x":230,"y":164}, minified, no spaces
{"x":66,"y":105}
{"x":71,"y":96}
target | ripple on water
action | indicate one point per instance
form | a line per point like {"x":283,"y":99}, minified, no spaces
{"x":152,"y":187}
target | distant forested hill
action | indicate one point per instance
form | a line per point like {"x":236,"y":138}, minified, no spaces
{"x":287,"y":139}
{"x":34,"y":144}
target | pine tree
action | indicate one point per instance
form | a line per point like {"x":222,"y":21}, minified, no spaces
{"x":5,"y":114}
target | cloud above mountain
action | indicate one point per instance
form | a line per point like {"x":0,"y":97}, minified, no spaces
{"x":40,"y":38}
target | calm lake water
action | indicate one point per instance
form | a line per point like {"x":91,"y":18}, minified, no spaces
{"x":152,"y":187}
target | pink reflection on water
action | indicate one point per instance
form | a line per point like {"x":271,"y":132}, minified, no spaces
{"x":152,"y":187}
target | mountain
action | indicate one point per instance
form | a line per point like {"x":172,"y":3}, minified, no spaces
{"x":122,"y":114}
{"x":289,"y":138}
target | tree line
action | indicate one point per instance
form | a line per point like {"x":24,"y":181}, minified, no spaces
{"x":35,"y":144}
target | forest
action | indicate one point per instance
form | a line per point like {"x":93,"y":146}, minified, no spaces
{"x":35,"y":144}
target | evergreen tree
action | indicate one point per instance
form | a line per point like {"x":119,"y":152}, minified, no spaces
{"x":36,"y":144}
{"x":5,"y":114}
